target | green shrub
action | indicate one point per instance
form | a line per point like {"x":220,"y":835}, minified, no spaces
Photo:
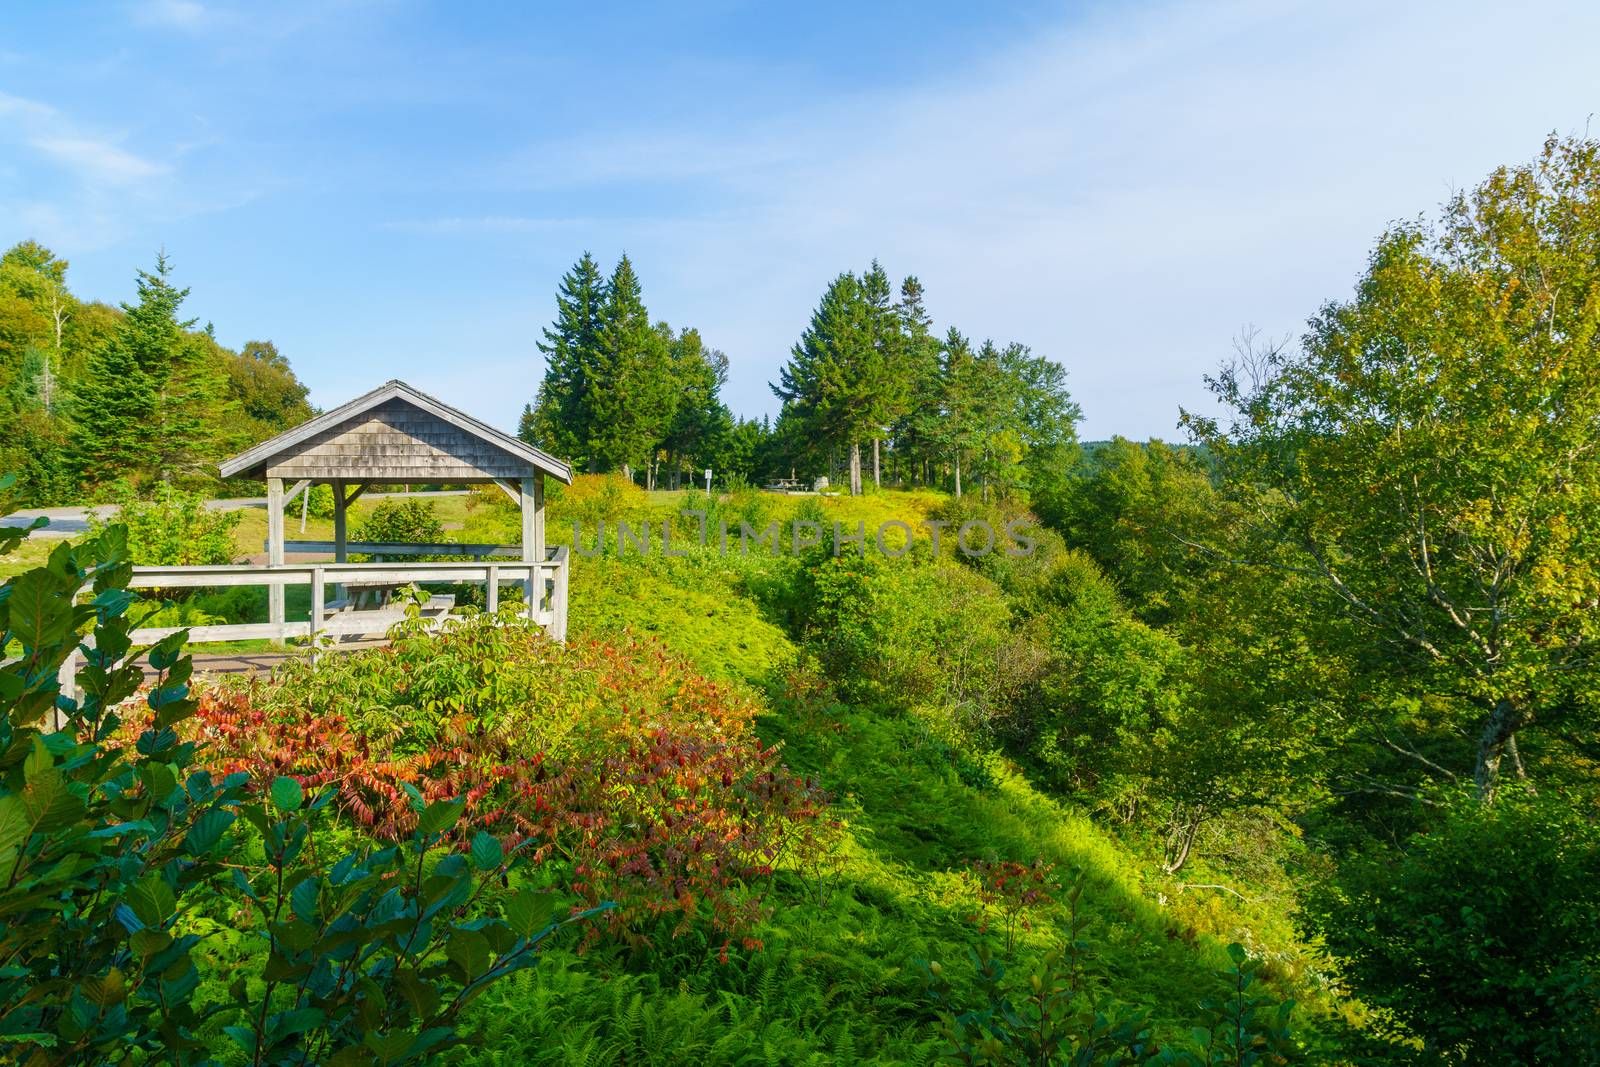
{"x":168,"y":613}
{"x":692,"y":606}
{"x":903,"y":632}
{"x":319,"y":501}
{"x":1062,"y":1015}
{"x":1479,"y":937}
{"x":174,"y":528}
{"x":639,"y":780}
{"x":400,"y":520}
{"x":114,"y":841}
{"x":595,"y":498}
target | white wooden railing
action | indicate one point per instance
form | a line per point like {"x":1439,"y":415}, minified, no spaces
{"x":544,"y":584}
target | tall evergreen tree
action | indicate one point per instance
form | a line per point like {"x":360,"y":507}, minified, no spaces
{"x":886,"y":358}
{"x":962,"y":380}
{"x":118,"y":408}
{"x":197,"y":418}
{"x":841,"y":381}
{"x":918,"y":424}
{"x":631,"y":390}
{"x":562,"y":417}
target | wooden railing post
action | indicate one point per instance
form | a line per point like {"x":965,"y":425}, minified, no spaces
{"x":275,"y":591}
{"x":558,"y":599}
{"x":67,"y":679}
{"x":535,"y":590}
{"x":318,"y":604}
{"x":491,"y":592}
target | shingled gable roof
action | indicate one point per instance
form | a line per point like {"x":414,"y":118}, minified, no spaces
{"x":254,"y":462}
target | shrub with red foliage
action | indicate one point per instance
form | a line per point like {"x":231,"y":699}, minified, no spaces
{"x":1012,"y":890}
{"x":656,"y":795}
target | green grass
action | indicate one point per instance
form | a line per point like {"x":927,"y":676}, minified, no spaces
{"x":26,"y":556}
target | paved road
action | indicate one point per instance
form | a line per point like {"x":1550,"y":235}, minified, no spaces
{"x":69,"y":522}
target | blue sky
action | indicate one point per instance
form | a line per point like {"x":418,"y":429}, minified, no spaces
{"x":393,"y":189}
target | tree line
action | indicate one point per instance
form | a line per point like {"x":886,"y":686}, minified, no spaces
{"x":870,"y":369}
{"x":103,"y":401}
{"x":622,"y":394}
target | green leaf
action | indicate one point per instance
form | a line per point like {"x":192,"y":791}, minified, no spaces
{"x":421,"y":995}
{"x":389,"y":1047}
{"x":148,"y":942}
{"x":415,"y":796}
{"x":297,"y":1021}
{"x":152,"y":901}
{"x":39,"y":759}
{"x":207,"y":832}
{"x":469,"y":950}
{"x":287,"y":794}
{"x":440,"y":817}
{"x":48,"y":804}
{"x":243,"y":1036}
{"x":15,"y":822}
{"x":40,"y":613}
{"x":304,"y":900}
{"x":106,"y":989}
{"x":158,"y":778}
{"x":486,"y":851}
{"x":528,"y":912}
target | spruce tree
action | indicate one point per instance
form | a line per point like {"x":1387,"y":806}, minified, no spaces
{"x":562,"y":418}
{"x":119,"y":410}
{"x":631,"y":393}
{"x":917,"y":427}
{"x":961,"y":384}
{"x":887,"y":374}
{"x":843,"y":381}
{"x":197,"y":419}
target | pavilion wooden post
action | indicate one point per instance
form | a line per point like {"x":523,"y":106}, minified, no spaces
{"x":339,"y":553}
{"x":533,"y":537}
{"x":275,"y":546}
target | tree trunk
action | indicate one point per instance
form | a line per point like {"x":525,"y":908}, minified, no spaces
{"x":877,"y":479}
{"x":1181,"y":833}
{"x":958,"y":476}
{"x":855,"y":468}
{"x":1494,"y":743}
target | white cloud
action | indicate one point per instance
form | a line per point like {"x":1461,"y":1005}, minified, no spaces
{"x":69,"y":182}
{"x":97,"y":161}
{"x":24,"y":109}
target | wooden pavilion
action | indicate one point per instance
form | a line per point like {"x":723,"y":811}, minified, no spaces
{"x":396,"y":435}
